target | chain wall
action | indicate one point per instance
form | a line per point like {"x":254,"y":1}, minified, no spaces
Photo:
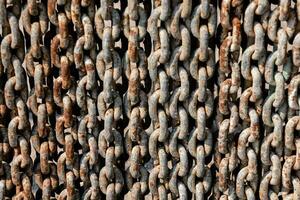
{"x":149,"y":99}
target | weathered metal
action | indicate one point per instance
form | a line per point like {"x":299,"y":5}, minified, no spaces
{"x":140,"y":99}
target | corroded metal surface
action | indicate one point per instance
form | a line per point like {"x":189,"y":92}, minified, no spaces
{"x":149,"y":99}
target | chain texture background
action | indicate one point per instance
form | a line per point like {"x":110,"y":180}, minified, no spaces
{"x":149,"y":99}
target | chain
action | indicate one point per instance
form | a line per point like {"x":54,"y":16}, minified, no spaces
{"x":201,"y":103}
{"x":135,"y":99}
{"x":160,"y":99}
{"x":157,"y":99}
{"x":109,"y":102}
{"x":228,"y":105}
{"x":18,"y":163}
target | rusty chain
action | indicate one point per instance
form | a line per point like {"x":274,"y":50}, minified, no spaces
{"x":149,"y":99}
